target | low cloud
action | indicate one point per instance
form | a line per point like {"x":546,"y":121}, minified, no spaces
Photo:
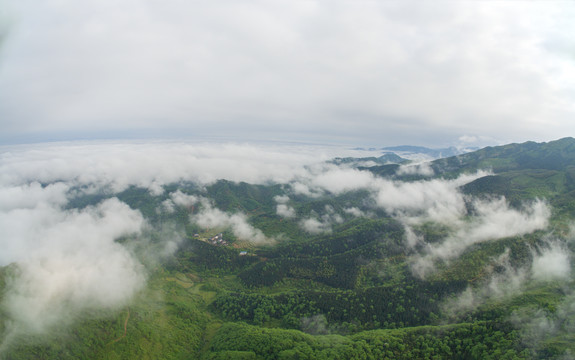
{"x":494,"y":219}
{"x":339,"y":180}
{"x":536,"y":325}
{"x":417,"y":202}
{"x":423,"y":169}
{"x":506,"y":282}
{"x":315,"y":325}
{"x":180,"y":199}
{"x":316,"y":224}
{"x":435,"y":200}
{"x":211,"y":217}
{"x":150,"y":165}
{"x":428,"y":200}
{"x":283,"y":209}
{"x":68,"y":261}
{"x":552,"y":262}
{"x":355,"y":211}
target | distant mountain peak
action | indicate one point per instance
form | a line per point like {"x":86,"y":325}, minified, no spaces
{"x":424,"y":153}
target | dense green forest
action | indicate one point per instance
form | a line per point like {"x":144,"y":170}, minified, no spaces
{"x":344,"y":272}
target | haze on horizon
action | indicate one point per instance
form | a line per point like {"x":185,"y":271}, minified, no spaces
{"x":439,"y":73}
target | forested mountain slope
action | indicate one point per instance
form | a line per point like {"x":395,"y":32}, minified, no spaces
{"x":468,"y":257}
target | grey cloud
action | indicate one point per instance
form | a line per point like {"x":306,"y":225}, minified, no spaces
{"x":339,"y":71}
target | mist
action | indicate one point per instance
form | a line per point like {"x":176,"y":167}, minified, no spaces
{"x":550,"y":263}
{"x":494,"y":219}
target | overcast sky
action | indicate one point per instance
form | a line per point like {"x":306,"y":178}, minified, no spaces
{"x":353,"y":72}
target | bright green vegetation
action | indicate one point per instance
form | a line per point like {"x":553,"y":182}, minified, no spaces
{"x":347,"y":294}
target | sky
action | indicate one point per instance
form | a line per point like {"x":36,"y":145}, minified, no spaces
{"x":377,"y":73}
{"x":100,"y":95}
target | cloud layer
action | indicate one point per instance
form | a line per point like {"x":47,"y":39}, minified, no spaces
{"x":337,"y":71}
{"x":151,"y":164}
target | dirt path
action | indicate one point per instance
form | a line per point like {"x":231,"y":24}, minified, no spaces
{"x":125,"y":329}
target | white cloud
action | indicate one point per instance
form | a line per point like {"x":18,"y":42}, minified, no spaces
{"x":503,"y":284}
{"x":282,"y":209}
{"x":68,"y":261}
{"x":302,"y":189}
{"x":29,"y":195}
{"x":551,"y":263}
{"x":281,"y":199}
{"x":354,"y":211}
{"x":436,"y":200}
{"x":180,"y":199}
{"x":416,"y":169}
{"x":285,"y":211}
{"x":211,"y":217}
{"x":338,"y":180}
{"x":494,"y":220}
{"x":184,"y":200}
{"x":315,"y":226}
{"x":151,"y":165}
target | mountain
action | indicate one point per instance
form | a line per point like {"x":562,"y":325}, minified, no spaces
{"x":519,"y":171}
{"x":424,"y":153}
{"x":472,"y":260}
{"x":553,"y":155}
{"x":390,"y":158}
